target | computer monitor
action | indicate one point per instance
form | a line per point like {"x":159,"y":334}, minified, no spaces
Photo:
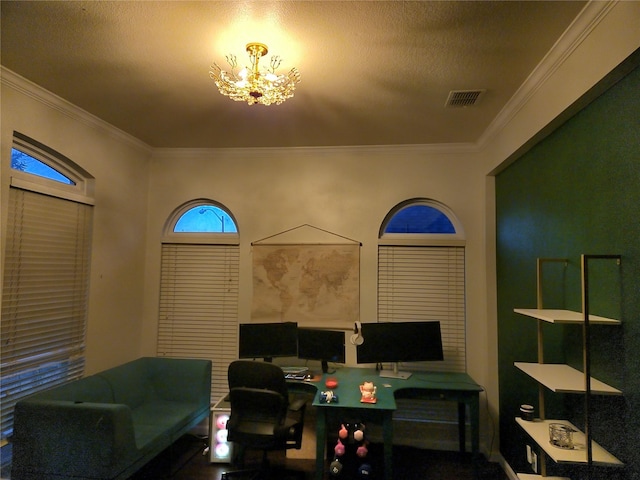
{"x":268,"y":340}
{"x":324,"y":345}
{"x":400,"y":342}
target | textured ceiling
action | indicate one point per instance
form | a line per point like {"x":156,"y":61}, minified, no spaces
{"x":373,"y":72}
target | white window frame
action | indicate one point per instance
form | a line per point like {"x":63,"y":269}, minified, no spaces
{"x":84,"y":184}
{"x":199,"y":288}
{"x":211,"y":238}
{"x":48,"y":243}
{"x":403,"y":297}
{"x":421,"y":277}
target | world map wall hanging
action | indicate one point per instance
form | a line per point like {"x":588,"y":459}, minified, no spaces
{"x":306,"y":283}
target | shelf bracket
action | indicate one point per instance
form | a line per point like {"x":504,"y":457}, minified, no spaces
{"x":540,"y":305}
{"x":586,"y":338}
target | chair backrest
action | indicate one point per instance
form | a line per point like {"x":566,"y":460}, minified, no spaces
{"x":256,"y":374}
{"x":259,"y":401}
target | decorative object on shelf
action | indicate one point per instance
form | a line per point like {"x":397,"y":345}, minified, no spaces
{"x":526,"y":412}
{"x":561,"y":435}
{"x":252,"y":84}
{"x":368,"y":392}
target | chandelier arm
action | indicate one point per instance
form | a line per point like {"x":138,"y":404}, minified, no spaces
{"x":275,"y":63}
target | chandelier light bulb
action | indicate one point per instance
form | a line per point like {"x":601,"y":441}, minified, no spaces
{"x":253,"y":84}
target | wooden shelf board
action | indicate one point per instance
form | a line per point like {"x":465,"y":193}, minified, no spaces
{"x":531,"y":476}
{"x":564,"y":316}
{"x":564,"y":379}
{"x":539,"y":432}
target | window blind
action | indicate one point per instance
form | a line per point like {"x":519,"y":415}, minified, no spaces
{"x":423,"y":283}
{"x":44,"y":296}
{"x":198,"y":314}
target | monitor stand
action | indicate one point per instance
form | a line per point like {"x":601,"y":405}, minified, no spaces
{"x":395,"y":373}
{"x":325,"y":366}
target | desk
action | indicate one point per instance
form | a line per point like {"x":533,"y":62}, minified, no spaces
{"x":457,"y":387}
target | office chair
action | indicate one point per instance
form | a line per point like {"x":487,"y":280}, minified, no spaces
{"x":261,"y":416}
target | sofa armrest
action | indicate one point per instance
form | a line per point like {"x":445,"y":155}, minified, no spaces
{"x":91,"y":440}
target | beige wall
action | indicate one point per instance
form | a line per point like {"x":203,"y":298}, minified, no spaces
{"x":120,"y":167}
{"x":347,"y":191}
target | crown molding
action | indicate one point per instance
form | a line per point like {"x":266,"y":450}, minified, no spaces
{"x":586,"y":21}
{"x":26,"y":87}
{"x":250,"y":152}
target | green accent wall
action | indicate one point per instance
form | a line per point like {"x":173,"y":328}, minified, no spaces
{"x":576,"y":192}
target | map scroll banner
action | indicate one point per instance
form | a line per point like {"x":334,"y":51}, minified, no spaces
{"x":308,"y":284}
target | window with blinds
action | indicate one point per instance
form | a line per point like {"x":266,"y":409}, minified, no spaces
{"x":46,"y":279}
{"x":421,"y":277}
{"x":198,"y":312}
{"x":424,"y":283}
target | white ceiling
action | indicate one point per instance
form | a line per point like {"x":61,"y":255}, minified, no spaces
{"x":373,"y":72}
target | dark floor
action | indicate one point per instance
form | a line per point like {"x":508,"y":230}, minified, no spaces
{"x":185,"y":461}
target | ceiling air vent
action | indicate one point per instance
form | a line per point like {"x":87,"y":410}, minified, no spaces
{"x":463,"y":98}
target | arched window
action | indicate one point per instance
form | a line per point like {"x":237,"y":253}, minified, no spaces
{"x":45,"y":288}
{"x":198,"y":311}
{"x":421,"y":274}
{"x":206,"y":218}
{"x":38,"y":168}
{"x":23,"y":162}
{"x":201,"y":220}
{"x":421,"y":219}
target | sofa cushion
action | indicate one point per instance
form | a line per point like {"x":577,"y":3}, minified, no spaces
{"x":173,"y":416}
{"x":130,"y":383}
{"x":181,"y":379}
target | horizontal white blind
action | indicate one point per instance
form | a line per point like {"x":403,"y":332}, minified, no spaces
{"x":44,"y":295}
{"x":424,"y":283}
{"x":198,"y":315}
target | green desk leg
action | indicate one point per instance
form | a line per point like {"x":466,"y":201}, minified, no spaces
{"x":321,"y":440}
{"x":474,"y":419}
{"x":462,"y":441}
{"x":387,"y":438}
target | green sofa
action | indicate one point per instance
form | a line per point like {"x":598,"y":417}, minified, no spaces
{"x":108,"y":425}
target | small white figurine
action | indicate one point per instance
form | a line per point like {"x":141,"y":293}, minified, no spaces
{"x":368,"y":392}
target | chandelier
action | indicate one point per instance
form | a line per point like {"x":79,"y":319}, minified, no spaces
{"x":253,"y":85}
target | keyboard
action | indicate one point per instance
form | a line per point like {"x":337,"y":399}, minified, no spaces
{"x":295,"y":376}
{"x":295,"y":369}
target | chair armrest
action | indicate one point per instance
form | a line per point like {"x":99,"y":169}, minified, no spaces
{"x":298,"y":404}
